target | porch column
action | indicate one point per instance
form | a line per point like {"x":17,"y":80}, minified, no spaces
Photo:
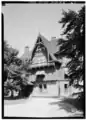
{"x":58,"y":88}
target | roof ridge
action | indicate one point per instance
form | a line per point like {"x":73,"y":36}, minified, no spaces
{"x":50,"y":46}
{"x":40,"y":35}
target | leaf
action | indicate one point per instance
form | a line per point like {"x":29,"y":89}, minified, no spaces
{"x":73,"y":46}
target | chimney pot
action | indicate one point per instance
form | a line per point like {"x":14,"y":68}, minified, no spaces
{"x":26,"y":49}
{"x":53,"y":38}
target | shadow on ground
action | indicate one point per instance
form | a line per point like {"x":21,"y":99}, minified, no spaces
{"x":70,"y":104}
{"x":45,"y":96}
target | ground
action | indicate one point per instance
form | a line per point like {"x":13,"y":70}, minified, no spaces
{"x":39,"y":107}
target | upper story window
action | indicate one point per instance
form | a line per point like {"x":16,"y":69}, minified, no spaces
{"x":38,"y":49}
{"x":39,"y":40}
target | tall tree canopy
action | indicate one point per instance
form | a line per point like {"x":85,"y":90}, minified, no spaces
{"x":10,"y":59}
{"x":10,"y":55}
{"x":14,"y":77}
{"x":73,"y":46}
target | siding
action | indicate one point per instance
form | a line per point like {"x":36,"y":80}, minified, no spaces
{"x":50,"y":74}
{"x":56,"y":75}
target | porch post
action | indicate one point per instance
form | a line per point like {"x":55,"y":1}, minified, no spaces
{"x":58,"y":88}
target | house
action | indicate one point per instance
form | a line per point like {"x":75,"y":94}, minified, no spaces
{"x":45,"y":70}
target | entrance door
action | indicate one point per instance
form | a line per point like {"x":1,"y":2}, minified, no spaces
{"x":39,"y":82}
{"x":40,"y":87}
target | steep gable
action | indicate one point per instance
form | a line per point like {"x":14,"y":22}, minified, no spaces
{"x":51,"y":47}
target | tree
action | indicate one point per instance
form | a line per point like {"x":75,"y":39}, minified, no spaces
{"x":25,"y":65}
{"x":11,"y":61}
{"x":14,"y":78}
{"x":73,"y":46}
{"x":10,"y":55}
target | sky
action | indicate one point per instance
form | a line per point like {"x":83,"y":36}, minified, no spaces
{"x":23,"y":22}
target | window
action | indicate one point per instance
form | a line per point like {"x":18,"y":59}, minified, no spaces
{"x":40,"y":86}
{"x":45,"y":86}
{"x":65,"y":86}
{"x":38,"y":49}
{"x":50,"y":57}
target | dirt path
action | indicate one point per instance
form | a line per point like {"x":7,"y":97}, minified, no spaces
{"x":38,"y":107}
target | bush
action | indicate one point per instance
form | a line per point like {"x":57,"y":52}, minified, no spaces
{"x":26,"y":91}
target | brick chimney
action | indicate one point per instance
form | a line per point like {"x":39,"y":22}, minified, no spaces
{"x":26,"y":50}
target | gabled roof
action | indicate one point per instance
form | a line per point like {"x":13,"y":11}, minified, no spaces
{"x":50,"y":45}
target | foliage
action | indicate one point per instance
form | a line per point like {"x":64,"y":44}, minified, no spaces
{"x":73,"y":46}
{"x":25,"y":65}
{"x":14,"y":79}
{"x":17,"y":82}
{"x":10,"y":58}
{"x":10,"y":55}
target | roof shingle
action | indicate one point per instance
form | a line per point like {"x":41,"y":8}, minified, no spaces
{"x":50,"y":45}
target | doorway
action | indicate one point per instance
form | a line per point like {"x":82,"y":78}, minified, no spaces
{"x":40,"y":82}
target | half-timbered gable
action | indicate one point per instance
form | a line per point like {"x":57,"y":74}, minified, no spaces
{"x":39,"y":54}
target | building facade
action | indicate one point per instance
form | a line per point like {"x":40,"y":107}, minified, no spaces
{"x":45,"y":70}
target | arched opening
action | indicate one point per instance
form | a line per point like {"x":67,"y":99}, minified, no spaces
{"x":39,"y":79}
{"x":40,"y":82}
